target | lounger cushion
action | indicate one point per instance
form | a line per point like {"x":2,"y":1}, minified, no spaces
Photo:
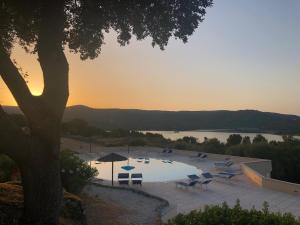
{"x":123,"y":175}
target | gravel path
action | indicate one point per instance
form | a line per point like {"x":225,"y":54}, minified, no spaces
{"x":133,"y":208}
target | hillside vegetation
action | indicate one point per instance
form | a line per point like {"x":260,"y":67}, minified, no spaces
{"x":243,"y":120}
{"x":215,"y":215}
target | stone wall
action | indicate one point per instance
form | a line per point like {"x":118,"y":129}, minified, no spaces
{"x":259,"y":173}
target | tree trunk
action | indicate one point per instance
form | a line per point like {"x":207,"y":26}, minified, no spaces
{"x":37,"y":153}
{"x":42,"y":185}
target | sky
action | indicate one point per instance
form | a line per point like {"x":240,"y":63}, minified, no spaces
{"x":245,"y":55}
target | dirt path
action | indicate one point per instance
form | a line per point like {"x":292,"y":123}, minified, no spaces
{"x":106,"y":206}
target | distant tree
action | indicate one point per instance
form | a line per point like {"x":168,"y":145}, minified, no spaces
{"x":290,"y":139}
{"x":75,"y":126}
{"x":46,"y":28}
{"x":259,"y":139}
{"x":213,"y":145}
{"x":246,"y":140}
{"x":190,"y":139}
{"x":234,"y":139}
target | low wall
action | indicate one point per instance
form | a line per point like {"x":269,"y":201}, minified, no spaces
{"x":258,"y":172}
{"x":252,"y":174}
{"x":283,"y":186}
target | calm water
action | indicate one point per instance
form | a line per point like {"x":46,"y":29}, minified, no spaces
{"x":157,"y":170}
{"x":222,"y":136}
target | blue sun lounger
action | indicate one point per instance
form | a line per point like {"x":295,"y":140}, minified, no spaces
{"x":223,"y":164}
{"x":225,"y":175}
{"x":193,"y":177}
{"x":207,"y":175}
{"x":204,"y":183}
{"x":186,"y":184}
{"x":202,"y":156}
{"x":123,"y":178}
{"x":137,"y":178}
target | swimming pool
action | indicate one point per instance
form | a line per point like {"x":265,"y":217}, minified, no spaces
{"x":153,"y":169}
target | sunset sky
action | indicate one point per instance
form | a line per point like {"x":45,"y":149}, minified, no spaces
{"x":245,"y":55}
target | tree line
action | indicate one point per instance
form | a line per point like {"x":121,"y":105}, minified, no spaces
{"x":285,"y":154}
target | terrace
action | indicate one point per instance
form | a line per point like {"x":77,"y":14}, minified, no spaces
{"x":252,"y":187}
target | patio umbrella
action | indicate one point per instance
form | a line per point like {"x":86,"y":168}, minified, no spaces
{"x":112,"y":157}
{"x":128,"y":167}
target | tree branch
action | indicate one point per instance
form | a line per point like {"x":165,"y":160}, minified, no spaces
{"x":16,"y":83}
{"x":14,"y":142}
{"x":52,"y":58}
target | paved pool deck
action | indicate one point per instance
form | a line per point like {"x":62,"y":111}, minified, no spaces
{"x":218,"y":191}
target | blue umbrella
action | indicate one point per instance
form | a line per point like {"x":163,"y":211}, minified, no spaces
{"x":128,"y":167}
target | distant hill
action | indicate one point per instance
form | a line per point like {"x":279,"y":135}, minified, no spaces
{"x":242,"y":120}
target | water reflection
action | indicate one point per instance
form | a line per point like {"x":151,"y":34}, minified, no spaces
{"x":153,"y":170}
{"x":222,"y":136}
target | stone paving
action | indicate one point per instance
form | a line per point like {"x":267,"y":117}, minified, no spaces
{"x":140,"y":210}
{"x":185,"y":200}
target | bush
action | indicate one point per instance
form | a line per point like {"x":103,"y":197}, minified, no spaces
{"x":215,"y":215}
{"x":7,"y":168}
{"x":137,"y":142}
{"x":75,"y":172}
{"x":285,"y":158}
{"x":213,"y":145}
{"x":234,"y":139}
{"x":259,"y":139}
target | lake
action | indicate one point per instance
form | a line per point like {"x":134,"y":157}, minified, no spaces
{"x":222,"y":136}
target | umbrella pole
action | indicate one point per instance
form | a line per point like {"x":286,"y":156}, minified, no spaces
{"x":112,"y":173}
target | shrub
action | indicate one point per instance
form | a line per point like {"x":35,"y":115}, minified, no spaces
{"x":137,"y":142}
{"x":75,"y":172}
{"x":212,"y":145}
{"x":215,"y":215}
{"x":7,"y":168}
{"x":234,"y":139}
{"x":259,"y":139}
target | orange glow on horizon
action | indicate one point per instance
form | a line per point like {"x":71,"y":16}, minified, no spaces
{"x":224,"y":65}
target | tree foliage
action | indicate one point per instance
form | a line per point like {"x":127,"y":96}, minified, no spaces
{"x":7,"y":167}
{"x":246,"y":140}
{"x":75,"y":172}
{"x":215,"y":215}
{"x":234,"y":139}
{"x":259,"y":139}
{"x":84,"y":22}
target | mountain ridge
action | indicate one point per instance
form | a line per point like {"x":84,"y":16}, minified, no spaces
{"x":137,"y":119}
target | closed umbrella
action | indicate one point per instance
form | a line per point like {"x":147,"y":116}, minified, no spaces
{"x":112,"y":157}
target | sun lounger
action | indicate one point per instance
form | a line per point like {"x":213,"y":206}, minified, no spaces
{"x":123,"y":178}
{"x":167,"y":161}
{"x":193,"y":177}
{"x":224,"y":175}
{"x":198,"y":155}
{"x":203,"y":156}
{"x":207,"y":175}
{"x":167,"y":150}
{"x":204,"y":183}
{"x":186,"y":184}
{"x":223,"y":164}
{"x":137,"y":178}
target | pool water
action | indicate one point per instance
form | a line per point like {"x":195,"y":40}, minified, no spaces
{"x":153,"y":169}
